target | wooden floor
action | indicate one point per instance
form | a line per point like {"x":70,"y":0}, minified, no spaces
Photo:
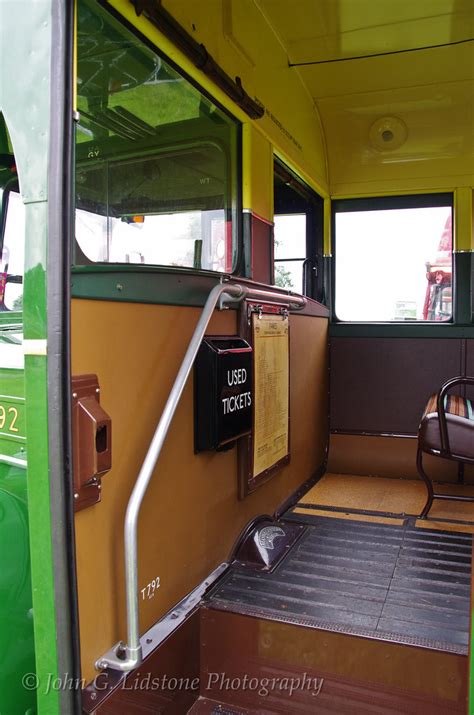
{"x":384,"y":500}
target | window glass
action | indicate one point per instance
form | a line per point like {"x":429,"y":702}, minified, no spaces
{"x":394,"y":264}
{"x":290,"y":250}
{"x":290,"y":236}
{"x":156,"y":160}
{"x":12,"y":254}
{"x":289,"y":274}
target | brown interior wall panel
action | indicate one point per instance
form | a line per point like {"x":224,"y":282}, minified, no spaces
{"x":191,"y":513}
{"x":147,"y":692}
{"x":381,"y":385}
{"x":262,"y":251}
{"x":386,"y":457}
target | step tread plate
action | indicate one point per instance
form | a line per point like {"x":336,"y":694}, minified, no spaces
{"x":379,"y":581}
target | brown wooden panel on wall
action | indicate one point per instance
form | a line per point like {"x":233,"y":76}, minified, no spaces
{"x":387,"y":457}
{"x":262,"y":250}
{"x":191,"y":514}
{"x":381,"y":385}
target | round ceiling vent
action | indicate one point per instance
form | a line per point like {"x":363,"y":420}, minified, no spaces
{"x":388,"y":133}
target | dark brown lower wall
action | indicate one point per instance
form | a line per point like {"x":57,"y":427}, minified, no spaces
{"x":191,"y":514}
{"x":381,"y":385}
{"x":348,"y":674}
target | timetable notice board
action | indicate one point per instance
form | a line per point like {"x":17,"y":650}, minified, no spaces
{"x":271,"y":391}
{"x":267,"y":449}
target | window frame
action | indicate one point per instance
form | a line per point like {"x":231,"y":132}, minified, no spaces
{"x":380,"y":203}
{"x":312,"y":205}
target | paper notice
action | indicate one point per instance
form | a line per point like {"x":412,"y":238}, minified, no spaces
{"x":271,"y":405}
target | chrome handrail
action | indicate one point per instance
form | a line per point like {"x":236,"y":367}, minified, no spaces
{"x":13,"y":461}
{"x":126,"y":657}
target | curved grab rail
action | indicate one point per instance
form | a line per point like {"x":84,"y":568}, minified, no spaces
{"x":443,"y":426}
{"x":126,"y":657}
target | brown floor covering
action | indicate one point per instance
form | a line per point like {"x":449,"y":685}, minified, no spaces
{"x":388,"y":496}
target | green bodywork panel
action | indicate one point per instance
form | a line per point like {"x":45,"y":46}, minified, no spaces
{"x":16,"y":605}
{"x":16,"y":614}
{"x":28,"y":639}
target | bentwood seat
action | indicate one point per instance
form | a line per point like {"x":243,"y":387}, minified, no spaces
{"x":447,"y":430}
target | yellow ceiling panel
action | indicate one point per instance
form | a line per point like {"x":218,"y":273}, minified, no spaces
{"x":322,"y":30}
{"x":410,"y":69}
{"x":439,"y":131}
{"x":426,"y":94}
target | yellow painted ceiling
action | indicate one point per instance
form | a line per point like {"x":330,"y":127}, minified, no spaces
{"x":315,"y":30}
{"x":430,"y":90}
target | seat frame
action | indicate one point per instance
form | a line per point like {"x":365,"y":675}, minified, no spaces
{"x":445,"y":451}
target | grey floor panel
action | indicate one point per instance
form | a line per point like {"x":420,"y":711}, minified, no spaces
{"x":385,"y":581}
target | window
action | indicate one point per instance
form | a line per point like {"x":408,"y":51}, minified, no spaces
{"x":290,"y":250}
{"x":394,"y":259}
{"x":156,"y":178}
{"x":298,"y":220}
{"x":12,"y":228}
{"x":12,"y":253}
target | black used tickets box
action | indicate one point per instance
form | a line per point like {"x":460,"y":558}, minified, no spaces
{"x":222,"y":392}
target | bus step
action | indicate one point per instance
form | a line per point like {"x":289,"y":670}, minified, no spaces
{"x":204,"y":706}
{"x":371,"y":615}
{"x":268,"y":667}
{"x":393,"y":583}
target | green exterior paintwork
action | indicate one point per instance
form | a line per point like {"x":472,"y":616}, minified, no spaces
{"x":16,"y":613}
{"x":42,"y":573}
{"x":28,"y":614}
{"x":16,"y":617}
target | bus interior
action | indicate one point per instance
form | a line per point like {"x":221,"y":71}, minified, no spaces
{"x":265,"y":526}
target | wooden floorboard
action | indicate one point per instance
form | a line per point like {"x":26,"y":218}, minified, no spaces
{"x":386,"y":497}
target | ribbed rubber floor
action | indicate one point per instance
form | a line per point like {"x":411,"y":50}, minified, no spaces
{"x":397,"y":583}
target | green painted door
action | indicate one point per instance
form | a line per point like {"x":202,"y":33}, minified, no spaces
{"x":17,"y":679}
